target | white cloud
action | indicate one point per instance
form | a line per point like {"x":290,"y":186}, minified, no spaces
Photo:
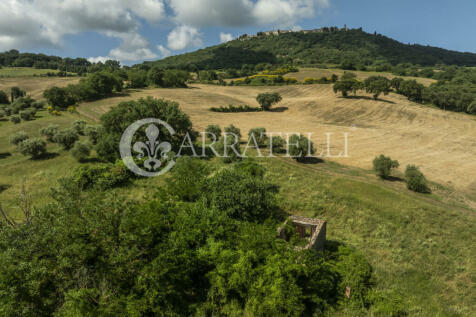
{"x":33,"y":23}
{"x":183,"y":37}
{"x":225,"y":37}
{"x":163,"y":51}
{"x":200,"y":13}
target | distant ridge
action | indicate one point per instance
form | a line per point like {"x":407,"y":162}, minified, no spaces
{"x":328,"y":45}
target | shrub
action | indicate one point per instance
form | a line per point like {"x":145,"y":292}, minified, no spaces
{"x":188,"y":176}
{"x":266,"y":100}
{"x":93,"y":132}
{"x":276,"y":144}
{"x":377,"y":85}
{"x":107,"y":148}
{"x":32,"y":147}
{"x":231,"y":108}
{"x":18,"y":137}
{"x":16,"y":93}
{"x":416,"y":181}
{"x":66,"y":138}
{"x":79,"y":126}
{"x":300,"y":147}
{"x":101,"y":176}
{"x":7,"y":110}
{"x":15,"y":119}
{"x":213,"y":129}
{"x":240,"y":196}
{"x":39,"y":105}
{"x":259,"y":135}
{"x":22,"y":104}
{"x":4,"y":98}
{"x":383,"y":166}
{"x":231,"y":129}
{"x":50,"y":132}
{"x":228,"y":148}
{"x":80,"y":151}
{"x":26,"y":115}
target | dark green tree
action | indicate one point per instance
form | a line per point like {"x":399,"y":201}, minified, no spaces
{"x":383,"y":166}
{"x":267,"y":100}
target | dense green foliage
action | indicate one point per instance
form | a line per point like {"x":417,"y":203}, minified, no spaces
{"x":353,"y":49}
{"x":267,"y":100}
{"x":258,"y":135}
{"x":81,"y":151}
{"x":4,"y":98}
{"x":416,"y":181}
{"x":300,"y":147}
{"x":34,"y":147}
{"x":383,"y":166}
{"x":66,"y":138}
{"x":213,"y":130}
{"x":89,"y":253}
{"x":100,"y":176}
{"x":50,"y":132}
{"x":377,"y":85}
{"x":18,"y":137}
{"x":231,"y":108}
{"x":118,"y":119}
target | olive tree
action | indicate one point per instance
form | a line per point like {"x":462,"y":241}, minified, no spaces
{"x":267,"y":100}
{"x":416,"y":181}
{"x":300,"y":147}
{"x":383,"y":166}
{"x":66,"y":138}
{"x":18,"y":137}
{"x":32,"y":147}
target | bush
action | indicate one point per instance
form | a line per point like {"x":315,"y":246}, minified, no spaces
{"x":266,"y":100}
{"x":240,"y":196}
{"x":175,"y":78}
{"x":259,"y":135}
{"x":4,"y":98}
{"x":300,"y":147}
{"x":80,"y":151}
{"x":66,"y":138}
{"x":32,"y":147}
{"x":79,"y":126}
{"x":277,"y":143}
{"x":15,"y":119}
{"x":39,"y":105}
{"x":232,"y":152}
{"x":231,"y":108}
{"x":93,"y":132}
{"x":26,"y":115}
{"x":18,"y":137}
{"x":213,"y":129}
{"x":416,"y":181}
{"x":188,"y":176}
{"x":50,"y":132}
{"x":101,"y":176}
{"x":383,"y":166}
{"x":231,"y":129}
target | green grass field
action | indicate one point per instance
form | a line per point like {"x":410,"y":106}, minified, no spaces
{"x":23,"y":72}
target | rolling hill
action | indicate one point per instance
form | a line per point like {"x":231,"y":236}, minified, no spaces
{"x":328,"y":45}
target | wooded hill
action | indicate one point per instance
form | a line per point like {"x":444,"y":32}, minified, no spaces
{"x":331,"y":46}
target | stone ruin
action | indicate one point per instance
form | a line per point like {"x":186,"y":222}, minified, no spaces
{"x":307,"y":228}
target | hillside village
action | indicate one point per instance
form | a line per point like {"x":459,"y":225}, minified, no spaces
{"x":280,"y":32}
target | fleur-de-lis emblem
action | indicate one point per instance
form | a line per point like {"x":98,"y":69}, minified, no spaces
{"x":152,"y":148}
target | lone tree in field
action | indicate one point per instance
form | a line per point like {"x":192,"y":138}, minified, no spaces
{"x":266,"y":100}
{"x":383,"y":166}
{"x":377,"y":85}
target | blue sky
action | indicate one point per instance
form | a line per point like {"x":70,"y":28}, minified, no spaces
{"x":152,"y":29}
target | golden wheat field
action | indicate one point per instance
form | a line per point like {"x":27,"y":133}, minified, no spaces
{"x":442,"y":143}
{"x":34,"y":86}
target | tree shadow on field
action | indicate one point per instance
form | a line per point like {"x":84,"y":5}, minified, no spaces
{"x":4,"y":155}
{"x":4,"y":187}
{"x":279,"y":109}
{"x":46,"y":156}
{"x":368,"y":98}
{"x":394,"y":179}
{"x":310,"y":160}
